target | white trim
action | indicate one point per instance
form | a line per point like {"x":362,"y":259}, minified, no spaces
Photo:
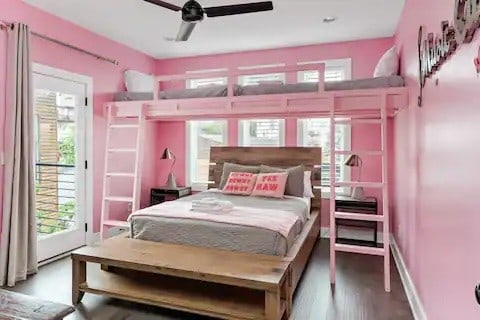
{"x":261,"y":66}
{"x":410,"y":290}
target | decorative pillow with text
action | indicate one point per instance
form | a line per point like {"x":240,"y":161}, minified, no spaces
{"x":240,"y":183}
{"x":270,"y":185}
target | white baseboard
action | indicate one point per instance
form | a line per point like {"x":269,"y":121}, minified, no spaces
{"x":352,"y":233}
{"x":410,"y":290}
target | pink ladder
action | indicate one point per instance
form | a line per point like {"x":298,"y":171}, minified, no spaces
{"x":133,"y":177}
{"x":383,"y":185}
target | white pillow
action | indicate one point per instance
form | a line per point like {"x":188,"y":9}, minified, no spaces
{"x":307,"y":185}
{"x":388,"y":64}
{"x":138,"y":82}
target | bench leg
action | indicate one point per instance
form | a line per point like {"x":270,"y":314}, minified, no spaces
{"x":272,"y":305}
{"x":79,"y":276}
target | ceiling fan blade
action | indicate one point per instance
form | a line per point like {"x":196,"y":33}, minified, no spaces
{"x":164,"y":4}
{"x":185,"y":31}
{"x":238,"y":9}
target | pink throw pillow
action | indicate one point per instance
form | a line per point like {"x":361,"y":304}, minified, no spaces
{"x":240,"y":183}
{"x":270,"y":185}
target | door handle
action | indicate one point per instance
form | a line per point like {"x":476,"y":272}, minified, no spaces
{"x":477,"y":293}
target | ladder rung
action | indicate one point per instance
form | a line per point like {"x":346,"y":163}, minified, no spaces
{"x":361,"y":152}
{"x":359,"y":249}
{"x":358,"y":216}
{"x":120,"y":174}
{"x":122,"y":150}
{"x":116,"y":223}
{"x":359,"y":121}
{"x":124,"y":126}
{"x":360,"y":184}
{"x":119,"y":199}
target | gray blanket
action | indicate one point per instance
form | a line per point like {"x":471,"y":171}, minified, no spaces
{"x":223,"y":235}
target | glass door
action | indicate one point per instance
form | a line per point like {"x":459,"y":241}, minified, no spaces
{"x":59,"y":108}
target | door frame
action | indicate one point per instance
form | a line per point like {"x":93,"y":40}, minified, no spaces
{"x":90,"y":237}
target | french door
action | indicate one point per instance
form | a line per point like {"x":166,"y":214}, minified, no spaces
{"x":60,"y":167}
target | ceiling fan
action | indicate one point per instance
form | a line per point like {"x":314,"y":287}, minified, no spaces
{"x":193,"y":12}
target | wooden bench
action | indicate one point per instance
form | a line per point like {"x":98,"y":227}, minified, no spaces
{"x":212,"y":282}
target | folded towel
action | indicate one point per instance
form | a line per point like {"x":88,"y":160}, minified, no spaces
{"x":211,"y":205}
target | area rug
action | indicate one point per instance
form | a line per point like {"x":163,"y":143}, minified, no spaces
{"x":16,"y":306}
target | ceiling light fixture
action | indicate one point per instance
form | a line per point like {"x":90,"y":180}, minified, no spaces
{"x":329,"y":19}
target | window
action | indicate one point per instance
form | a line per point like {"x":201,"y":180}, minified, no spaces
{"x":316,"y":133}
{"x":335,"y":70}
{"x":201,"y":136}
{"x":262,"y":132}
{"x":206,"y":82}
{"x":255,"y":79}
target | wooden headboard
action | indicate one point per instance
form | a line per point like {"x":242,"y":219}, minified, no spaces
{"x":282,"y":157}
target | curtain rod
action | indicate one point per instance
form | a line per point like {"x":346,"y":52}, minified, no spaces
{"x":5,"y":24}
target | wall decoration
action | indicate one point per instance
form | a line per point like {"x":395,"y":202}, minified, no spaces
{"x":434,"y":50}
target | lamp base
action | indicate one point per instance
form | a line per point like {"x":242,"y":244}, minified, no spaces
{"x":171,"y":183}
{"x":358,"y":193}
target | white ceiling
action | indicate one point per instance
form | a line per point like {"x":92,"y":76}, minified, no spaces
{"x":144,"y":27}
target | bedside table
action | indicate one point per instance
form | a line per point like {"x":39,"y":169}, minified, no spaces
{"x":366,"y":206}
{"x":162,"y":194}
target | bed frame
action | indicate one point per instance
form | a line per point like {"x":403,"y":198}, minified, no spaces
{"x":360,"y":103}
{"x":283,"y":157}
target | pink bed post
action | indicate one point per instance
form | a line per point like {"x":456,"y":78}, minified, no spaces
{"x":321,"y":77}
{"x":156,"y":88}
{"x":230,"y":83}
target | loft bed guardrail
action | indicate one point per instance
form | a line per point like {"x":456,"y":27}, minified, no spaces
{"x":297,"y":99}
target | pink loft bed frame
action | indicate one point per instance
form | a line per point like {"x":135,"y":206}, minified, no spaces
{"x":370,"y":106}
{"x":347,"y":103}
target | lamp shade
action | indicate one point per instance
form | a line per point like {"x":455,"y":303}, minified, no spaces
{"x":168,"y":154}
{"x":353,"y":161}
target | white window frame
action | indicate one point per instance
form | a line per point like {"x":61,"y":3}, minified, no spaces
{"x":192,"y":83}
{"x":190,"y":152}
{"x":345,"y":64}
{"x":243,"y":129}
{"x":347,"y":131}
{"x":243,"y":79}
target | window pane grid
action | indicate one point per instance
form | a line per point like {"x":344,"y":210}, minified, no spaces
{"x":261,"y":132}
{"x":256,"y":79}
{"x":202,"y":136}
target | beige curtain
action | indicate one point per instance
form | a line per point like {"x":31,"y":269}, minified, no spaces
{"x":18,"y":244}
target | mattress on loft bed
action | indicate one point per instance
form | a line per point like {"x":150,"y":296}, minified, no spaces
{"x":145,"y":225}
{"x":221,"y":91}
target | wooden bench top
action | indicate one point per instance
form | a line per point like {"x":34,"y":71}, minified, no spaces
{"x":246,"y":270}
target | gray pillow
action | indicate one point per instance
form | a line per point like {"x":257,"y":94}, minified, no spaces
{"x":234,"y":167}
{"x":295,"y":178}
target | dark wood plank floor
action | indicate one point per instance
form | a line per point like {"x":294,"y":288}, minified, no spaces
{"x":357,"y":295}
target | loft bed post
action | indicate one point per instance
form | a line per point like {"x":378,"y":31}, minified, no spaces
{"x":321,"y":77}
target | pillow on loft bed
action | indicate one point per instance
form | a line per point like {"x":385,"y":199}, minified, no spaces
{"x":295,"y":180}
{"x":136,"y":81}
{"x":388,"y":64}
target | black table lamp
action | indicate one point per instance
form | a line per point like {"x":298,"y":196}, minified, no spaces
{"x":355,"y":161}
{"x":168,"y":155}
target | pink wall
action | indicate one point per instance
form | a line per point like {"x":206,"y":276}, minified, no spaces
{"x":107,"y":78}
{"x":364,"y":54}
{"x":436,"y":159}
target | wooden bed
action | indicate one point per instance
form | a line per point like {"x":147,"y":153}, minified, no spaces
{"x":283,"y":157}
{"x":159,"y":273}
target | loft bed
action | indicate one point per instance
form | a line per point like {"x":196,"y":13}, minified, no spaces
{"x":353,"y":97}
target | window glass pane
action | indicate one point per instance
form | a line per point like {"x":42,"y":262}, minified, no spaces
{"x":262,"y":132}
{"x":331,"y":74}
{"x":316,"y":133}
{"x":207,"y":82}
{"x":202,"y":136}
{"x":256,"y":79}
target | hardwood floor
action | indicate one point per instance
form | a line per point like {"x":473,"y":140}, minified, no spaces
{"x":358,"y":294}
